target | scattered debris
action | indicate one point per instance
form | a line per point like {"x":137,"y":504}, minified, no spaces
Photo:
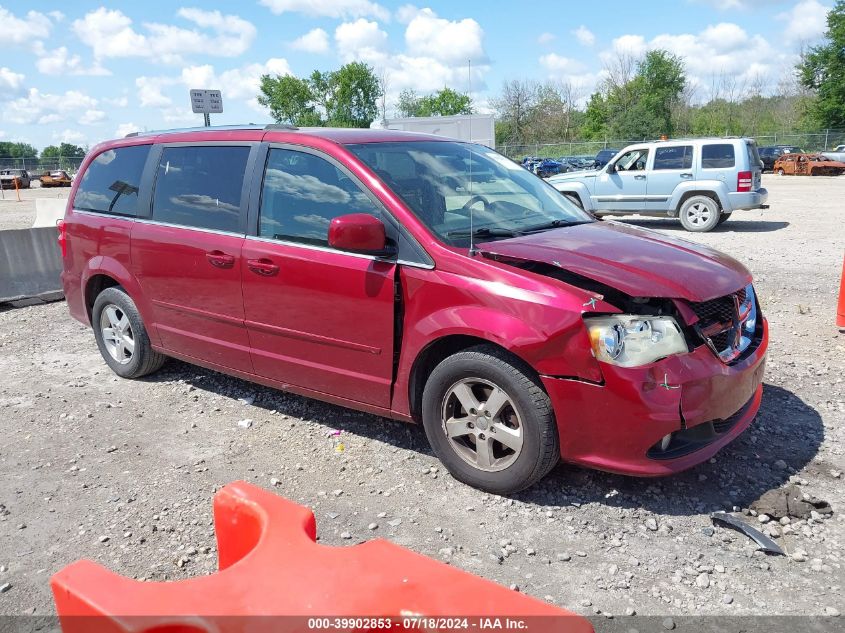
{"x":245,"y":424}
{"x":766,"y":544}
{"x":247,"y":400}
{"x":790,"y":501}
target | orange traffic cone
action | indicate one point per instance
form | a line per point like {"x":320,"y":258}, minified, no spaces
{"x":840,"y":309}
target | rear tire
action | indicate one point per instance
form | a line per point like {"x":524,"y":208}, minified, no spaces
{"x":699,"y":214}
{"x":501,"y":449}
{"x":724,"y":218}
{"x":121,"y":335}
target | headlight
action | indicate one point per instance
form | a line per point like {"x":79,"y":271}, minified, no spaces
{"x":630,"y":340}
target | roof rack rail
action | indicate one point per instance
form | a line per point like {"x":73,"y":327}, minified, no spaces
{"x":217,"y":128}
{"x":280,"y":126}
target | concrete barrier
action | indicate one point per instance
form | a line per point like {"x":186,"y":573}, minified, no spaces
{"x":30,"y":265}
{"x":48,"y":211}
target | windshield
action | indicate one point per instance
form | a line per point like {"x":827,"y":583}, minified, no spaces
{"x":458,"y":188}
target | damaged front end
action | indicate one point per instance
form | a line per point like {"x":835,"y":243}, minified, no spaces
{"x":681,"y":378}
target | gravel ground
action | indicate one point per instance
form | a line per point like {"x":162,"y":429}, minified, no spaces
{"x":21,"y":215}
{"x":123,"y":472}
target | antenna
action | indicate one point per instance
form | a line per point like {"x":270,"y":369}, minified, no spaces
{"x":469,"y":149}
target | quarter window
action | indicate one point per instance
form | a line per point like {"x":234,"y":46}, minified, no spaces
{"x":716,"y":156}
{"x":302,"y":194}
{"x":110,"y":183}
{"x":201,"y":187}
{"x":677,"y":157}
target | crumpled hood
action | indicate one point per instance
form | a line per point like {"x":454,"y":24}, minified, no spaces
{"x":638,"y":262}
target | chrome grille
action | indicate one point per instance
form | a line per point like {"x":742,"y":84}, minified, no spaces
{"x":727,"y":324}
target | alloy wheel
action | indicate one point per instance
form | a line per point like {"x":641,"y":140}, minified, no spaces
{"x":118,"y":336}
{"x":699,"y":214}
{"x":482,"y":424}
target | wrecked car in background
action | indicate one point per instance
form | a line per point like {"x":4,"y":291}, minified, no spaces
{"x":808,"y":165}
{"x":509,"y":322}
{"x":56,"y":178}
{"x":15,"y":178}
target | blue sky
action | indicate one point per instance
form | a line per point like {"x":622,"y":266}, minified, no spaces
{"x":82,"y":71}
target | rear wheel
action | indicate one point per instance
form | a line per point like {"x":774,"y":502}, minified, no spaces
{"x":724,"y":218}
{"x":121,"y":336}
{"x":489,"y":421}
{"x":699,"y":214}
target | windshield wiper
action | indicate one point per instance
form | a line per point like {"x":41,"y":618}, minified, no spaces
{"x":485,"y":232}
{"x":553,"y":224}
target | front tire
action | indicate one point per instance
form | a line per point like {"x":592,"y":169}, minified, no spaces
{"x":489,"y":421}
{"x":699,"y":214}
{"x":121,"y":335}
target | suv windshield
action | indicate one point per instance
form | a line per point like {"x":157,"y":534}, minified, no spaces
{"x":458,"y":188}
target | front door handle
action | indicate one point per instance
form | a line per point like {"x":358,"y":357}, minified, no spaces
{"x":686,"y":175}
{"x":219,"y":259}
{"x":263,"y":266}
{"x":639,"y":177}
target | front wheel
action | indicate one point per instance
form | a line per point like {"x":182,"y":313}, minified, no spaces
{"x":489,"y":421}
{"x":699,"y":214}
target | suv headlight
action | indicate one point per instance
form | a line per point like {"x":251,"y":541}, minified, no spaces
{"x":631,"y":340}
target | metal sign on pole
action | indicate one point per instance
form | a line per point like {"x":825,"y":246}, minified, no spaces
{"x":206,"y":102}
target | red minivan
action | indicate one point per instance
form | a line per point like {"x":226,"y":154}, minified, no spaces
{"x":417,"y":278}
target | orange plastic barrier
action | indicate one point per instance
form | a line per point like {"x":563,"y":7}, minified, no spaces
{"x":270,"y":565}
{"x":840,"y":309}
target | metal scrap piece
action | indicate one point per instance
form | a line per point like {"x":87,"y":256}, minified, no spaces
{"x":766,"y":544}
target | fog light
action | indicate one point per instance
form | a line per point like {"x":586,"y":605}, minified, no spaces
{"x":664,"y":443}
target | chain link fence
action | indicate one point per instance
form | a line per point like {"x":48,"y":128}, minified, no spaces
{"x":37,"y":166}
{"x":807,"y":141}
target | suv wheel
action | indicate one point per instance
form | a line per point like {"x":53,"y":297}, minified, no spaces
{"x":724,"y":218}
{"x":121,"y":336}
{"x":489,"y":421}
{"x":699,"y":214}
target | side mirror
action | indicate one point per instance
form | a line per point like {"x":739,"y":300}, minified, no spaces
{"x":359,"y":233}
{"x":611,"y":168}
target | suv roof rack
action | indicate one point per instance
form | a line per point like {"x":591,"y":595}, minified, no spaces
{"x":247,"y":126}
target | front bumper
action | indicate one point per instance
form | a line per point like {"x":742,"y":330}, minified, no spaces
{"x":613,"y":426}
{"x":748,"y":199}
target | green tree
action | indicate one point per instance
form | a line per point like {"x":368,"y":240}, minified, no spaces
{"x":445,"y":102}
{"x":822,"y":69}
{"x":17,"y":150}
{"x":661,"y":81}
{"x":347,"y":97}
{"x":65,"y":150}
{"x":353,"y":93}
{"x":289,"y":99}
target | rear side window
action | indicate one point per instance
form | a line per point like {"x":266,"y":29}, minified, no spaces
{"x":302,"y":194}
{"x":201,"y":187}
{"x":717,"y":155}
{"x":111,"y":181}
{"x":678,"y":157}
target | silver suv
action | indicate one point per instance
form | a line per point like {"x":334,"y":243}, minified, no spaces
{"x":700,"y":182}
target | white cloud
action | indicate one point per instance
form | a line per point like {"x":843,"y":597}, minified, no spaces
{"x":241,"y":84}
{"x":126,"y":128}
{"x":60,"y":62}
{"x":720,"y":50}
{"x":43,"y":108}
{"x":805,"y":21}
{"x":406,"y":13}
{"x":361,"y":40}
{"x":150,"y":91}
{"x":584,"y":36}
{"x":546,"y":38}
{"x":23,"y":31}
{"x":109,"y":33}
{"x":91,"y":117}
{"x":732,"y":5}
{"x":557,"y":64}
{"x":314,"y":41}
{"x":449,"y":41}
{"x":11,"y":83}
{"x":337,"y":9}
{"x":71,"y":136}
